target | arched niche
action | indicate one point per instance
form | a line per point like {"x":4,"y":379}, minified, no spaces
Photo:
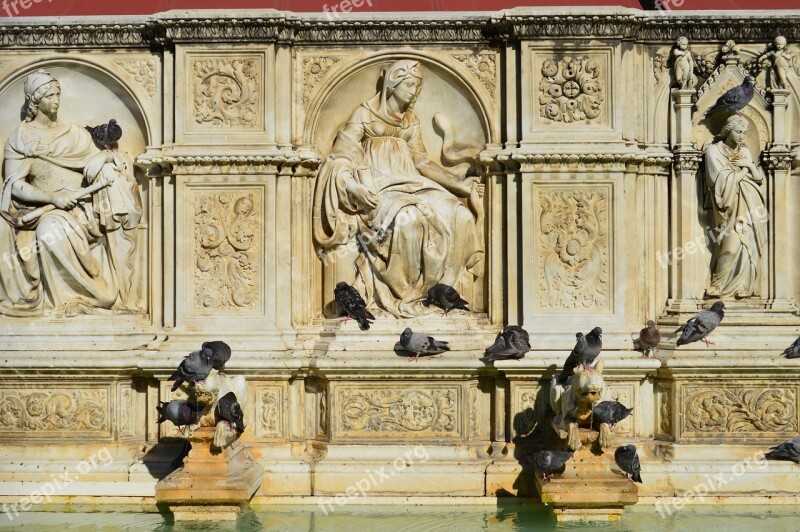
{"x":445,"y":90}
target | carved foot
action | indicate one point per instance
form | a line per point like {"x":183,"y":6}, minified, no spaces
{"x":605,"y":436}
{"x":574,"y":439}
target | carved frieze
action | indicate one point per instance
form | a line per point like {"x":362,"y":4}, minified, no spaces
{"x":738,"y":411}
{"x":314,"y":69}
{"x":571,"y":89}
{"x":524,"y":410}
{"x":143,"y":71}
{"x":270,"y":409}
{"x":226,"y":92}
{"x":412,"y":411}
{"x":227,"y":262}
{"x":50,"y":412}
{"x":573,"y":248}
{"x":664,"y":413}
{"x":483,"y":66}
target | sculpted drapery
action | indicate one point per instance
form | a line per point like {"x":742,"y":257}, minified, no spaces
{"x":740,"y":214}
{"x":73,"y":257}
{"x":379,"y":186}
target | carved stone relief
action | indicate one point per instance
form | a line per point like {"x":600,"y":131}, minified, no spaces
{"x":226,"y":92}
{"x":624,"y":393}
{"x":571,"y":90}
{"x":573,"y":248}
{"x":664,"y":411}
{"x":739,"y":411}
{"x":483,"y":66}
{"x":413,"y":411}
{"x":38,"y":412}
{"x":270,"y":411}
{"x":227,"y":251}
{"x":314,"y":70}
{"x":143,"y":71}
{"x":524,"y":418}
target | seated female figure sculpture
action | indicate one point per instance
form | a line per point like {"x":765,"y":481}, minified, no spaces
{"x":62,"y":248}
{"x":378,"y":186}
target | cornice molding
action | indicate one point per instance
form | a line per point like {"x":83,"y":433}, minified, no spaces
{"x":382,"y":28}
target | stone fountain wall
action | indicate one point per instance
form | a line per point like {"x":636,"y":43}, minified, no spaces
{"x":591,"y":160}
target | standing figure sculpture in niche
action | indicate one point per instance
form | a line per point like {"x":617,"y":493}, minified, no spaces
{"x":379,"y":186}
{"x":684,"y":64}
{"x":740,"y":214}
{"x":63,"y":248}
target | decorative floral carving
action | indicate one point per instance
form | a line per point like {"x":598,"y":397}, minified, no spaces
{"x":573,"y":262}
{"x":226,"y":250}
{"x":56,"y":410}
{"x":269,"y":417}
{"x":323,"y":414}
{"x":570,"y":89}
{"x":665,"y":411}
{"x":125,"y":408}
{"x":314,"y":69}
{"x":399,"y":411}
{"x":143,"y":71}
{"x":740,"y":409}
{"x":525,"y":420}
{"x":226,"y":92}
{"x":484,"y":66}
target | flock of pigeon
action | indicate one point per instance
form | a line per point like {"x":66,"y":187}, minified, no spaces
{"x":194,"y":368}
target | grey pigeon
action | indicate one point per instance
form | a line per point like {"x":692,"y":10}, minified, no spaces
{"x":195,"y":367}
{"x":793,"y":351}
{"x":106,"y":136}
{"x":550,"y":462}
{"x":788,"y":450}
{"x":229,"y":409}
{"x":611,"y":412}
{"x":220,"y":353}
{"x":734,"y":99}
{"x":421,"y":344}
{"x":180,"y":412}
{"x":446,"y":298}
{"x":649,"y":337}
{"x":702,"y":325}
{"x":512,"y":343}
{"x":353,"y":304}
{"x":585,"y":351}
{"x":626,"y":458}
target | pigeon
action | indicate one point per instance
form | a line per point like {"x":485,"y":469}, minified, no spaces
{"x":195,"y":367}
{"x":793,"y":351}
{"x":446,"y":298}
{"x":626,"y":458}
{"x":512,"y":343}
{"x":421,"y":344}
{"x":106,"y":136}
{"x":180,"y":412}
{"x":585,"y":351}
{"x":229,"y":410}
{"x":649,"y":337}
{"x":702,"y":325}
{"x":734,"y":99}
{"x":220,"y":353}
{"x":353,"y":304}
{"x":611,"y":412}
{"x":549,"y":462}
{"x":788,"y":450}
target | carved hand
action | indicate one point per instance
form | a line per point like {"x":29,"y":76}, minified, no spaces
{"x":477,"y":190}
{"x":63,"y":200}
{"x":361,"y":196}
{"x":95,"y":164}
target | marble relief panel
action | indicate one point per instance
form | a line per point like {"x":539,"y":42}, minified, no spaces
{"x":271,"y":404}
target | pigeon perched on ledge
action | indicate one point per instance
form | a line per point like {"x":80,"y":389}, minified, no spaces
{"x":446,"y":298}
{"x":702,"y":324}
{"x":788,"y":450}
{"x":734,"y":99}
{"x":194,"y":368}
{"x":550,"y":462}
{"x":179,"y":412}
{"x":353,"y":304}
{"x":512,"y":343}
{"x":106,"y":136}
{"x":586,"y":349}
{"x":626,"y":458}
{"x":229,"y":410}
{"x":649,"y":338}
{"x":793,"y":351}
{"x":421,"y":344}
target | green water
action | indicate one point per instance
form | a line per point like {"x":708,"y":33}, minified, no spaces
{"x":351,"y":518}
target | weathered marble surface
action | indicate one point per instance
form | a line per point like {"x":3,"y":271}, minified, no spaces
{"x":586,"y":129}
